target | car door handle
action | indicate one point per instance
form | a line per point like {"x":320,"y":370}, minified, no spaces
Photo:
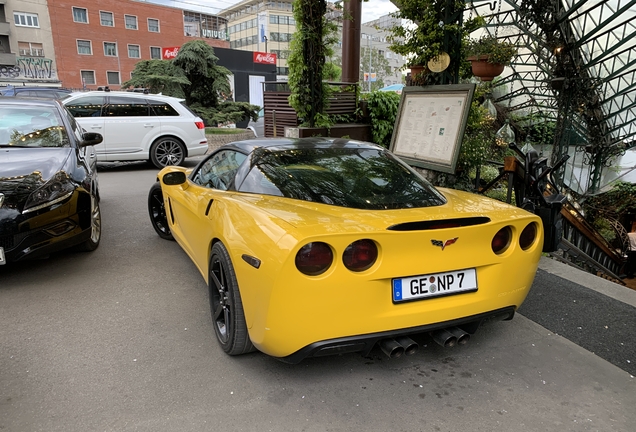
{"x":149,"y":125}
{"x":96,"y":126}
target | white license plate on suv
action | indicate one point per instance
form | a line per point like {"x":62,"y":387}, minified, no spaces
{"x":434,"y":285}
{"x":3,"y":260}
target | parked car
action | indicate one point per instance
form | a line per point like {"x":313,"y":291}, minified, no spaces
{"x":49,"y":198}
{"x":318,"y":246}
{"x":137,"y":126}
{"x":38,"y":92}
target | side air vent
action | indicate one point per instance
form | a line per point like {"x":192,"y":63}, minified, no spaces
{"x":439,"y":224}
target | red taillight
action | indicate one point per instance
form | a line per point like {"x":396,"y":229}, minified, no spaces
{"x":528,"y":236}
{"x":199,"y":124}
{"x":501,"y":240}
{"x":360,"y":255}
{"x":314,"y":259}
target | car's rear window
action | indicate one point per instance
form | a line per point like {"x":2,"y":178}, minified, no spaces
{"x":360,"y":178}
{"x":162,"y":108}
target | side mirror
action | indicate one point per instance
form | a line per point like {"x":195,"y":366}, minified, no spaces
{"x":174,"y":178}
{"x":91,"y":138}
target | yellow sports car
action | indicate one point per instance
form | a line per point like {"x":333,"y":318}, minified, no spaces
{"x":321,"y":246}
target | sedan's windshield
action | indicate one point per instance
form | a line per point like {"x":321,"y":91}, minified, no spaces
{"x":31,"y":126}
{"x":349,"y":177}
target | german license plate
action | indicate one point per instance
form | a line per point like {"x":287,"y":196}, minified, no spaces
{"x":3,"y":260}
{"x":434,"y":285}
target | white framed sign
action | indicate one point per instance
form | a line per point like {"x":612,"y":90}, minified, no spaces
{"x":430,"y":125}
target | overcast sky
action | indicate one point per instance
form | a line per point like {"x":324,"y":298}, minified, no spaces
{"x":370,"y":10}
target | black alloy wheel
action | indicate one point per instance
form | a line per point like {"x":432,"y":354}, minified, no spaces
{"x":167,"y":151}
{"x":96,"y":228}
{"x":226,"y":305}
{"x":157,"y":212}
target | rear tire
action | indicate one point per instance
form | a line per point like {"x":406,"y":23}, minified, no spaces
{"x":167,"y":151}
{"x":226,"y":305}
{"x":157,"y":212}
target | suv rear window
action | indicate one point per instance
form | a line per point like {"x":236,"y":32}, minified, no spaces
{"x":161,"y":108}
{"x":121,"y":106}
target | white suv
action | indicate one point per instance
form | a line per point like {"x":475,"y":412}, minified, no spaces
{"x":137,"y":126}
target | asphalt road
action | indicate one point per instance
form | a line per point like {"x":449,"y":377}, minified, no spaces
{"x":121,"y":340}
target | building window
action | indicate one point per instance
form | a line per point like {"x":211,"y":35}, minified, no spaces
{"x":106,"y":19}
{"x":88,"y":77}
{"x":131,"y":22}
{"x":155,"y":53}
{"x":112,"y":77}
{"x":80,"y":15}
{"x":23,"y":19}
{"x":30,"y":49}
{"x":153,"y":25}
{"x":134,"y":51}
{"x":110,"y":49}
{"x":84,"y":47}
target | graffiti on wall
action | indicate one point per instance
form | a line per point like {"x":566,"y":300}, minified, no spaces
{"x":30,"y":68}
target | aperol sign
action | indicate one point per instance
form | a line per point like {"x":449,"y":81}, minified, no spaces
{"x":264,"y":58}
{"x":169,"y":53}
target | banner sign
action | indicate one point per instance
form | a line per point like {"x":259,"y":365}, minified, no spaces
{"x":169,"y":53}
{"x":264,"y":58}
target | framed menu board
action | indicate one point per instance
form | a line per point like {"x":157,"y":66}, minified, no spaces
{"x":430,"y":125}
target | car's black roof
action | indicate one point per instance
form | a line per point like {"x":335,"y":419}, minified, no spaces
{"x":248,"y":146}
{"x":17,"y":101}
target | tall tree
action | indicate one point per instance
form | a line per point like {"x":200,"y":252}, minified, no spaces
{"x":307,"y":60}
{"x":207,"y":80}
{"x":158,"y":76}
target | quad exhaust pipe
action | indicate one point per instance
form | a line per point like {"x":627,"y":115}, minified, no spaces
{"x":401,"y":345}
{"x":404,"y":345}
{"x":450,"y":337}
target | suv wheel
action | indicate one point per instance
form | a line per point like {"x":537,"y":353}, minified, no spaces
{"x":167,"y":151}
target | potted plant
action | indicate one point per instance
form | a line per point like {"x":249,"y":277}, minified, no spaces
{"x":489,"y":55}
{"x":424,"y":39}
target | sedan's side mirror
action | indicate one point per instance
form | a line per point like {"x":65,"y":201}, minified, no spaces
{"x":174,"y":178}
{"x":91,"y":138}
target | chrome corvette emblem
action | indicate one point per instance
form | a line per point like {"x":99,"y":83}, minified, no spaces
{"x":1,"y":199}
{"x":443,"y":244}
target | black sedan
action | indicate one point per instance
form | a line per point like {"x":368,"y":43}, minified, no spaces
{"x":49,"y":198}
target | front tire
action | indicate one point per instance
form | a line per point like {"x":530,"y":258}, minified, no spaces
{"x":96,"y":228}
{"x":167,"y":151}
{"x":157,"y":212}
{"x":226,"y":305}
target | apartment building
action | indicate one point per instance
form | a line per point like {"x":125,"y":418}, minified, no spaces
{"x":374,"y":34}
{"x":27,"y":53}
{"x":268,"y":26}
{"x":262,"y":26}
{"x":99,"y":43}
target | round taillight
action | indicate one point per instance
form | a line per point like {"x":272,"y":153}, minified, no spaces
{"x":501,"y":240}
{"x":360,"y":255}
{"x":314,"y":258}
{"x":528,"y":236}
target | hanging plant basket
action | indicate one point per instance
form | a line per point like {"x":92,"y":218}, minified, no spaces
{"x":483,"y":69}
{"x":418,"y":72}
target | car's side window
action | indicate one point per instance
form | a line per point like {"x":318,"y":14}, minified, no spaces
{"x":219,"y":171}
{"x":120,"y":106}
{"x":161,"y":108}
{"x":89,"y":106}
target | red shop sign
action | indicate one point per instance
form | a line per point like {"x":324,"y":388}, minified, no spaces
{"x":169,"y":53}
{"x":265,"y":58}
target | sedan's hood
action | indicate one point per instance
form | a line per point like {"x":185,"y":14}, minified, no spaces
{"x":459,"y":205}
{"x":24,"y":170}
{"x":17,"y":163}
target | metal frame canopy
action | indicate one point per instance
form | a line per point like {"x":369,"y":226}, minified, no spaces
{"x":576,"y":67}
